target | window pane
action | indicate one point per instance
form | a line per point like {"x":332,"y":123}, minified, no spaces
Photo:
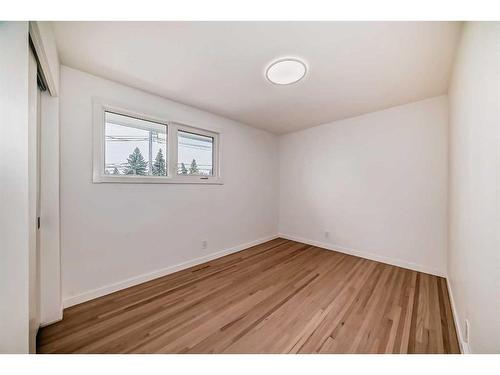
{"x":134,"y":146}
{"x":195,"y":154}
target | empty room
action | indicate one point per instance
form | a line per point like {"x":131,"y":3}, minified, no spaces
{"x":250,"y":187}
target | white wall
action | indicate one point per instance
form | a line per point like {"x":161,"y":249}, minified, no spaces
{"x":377,"y":183}
{"x":474,"y":221}
{"x":114,"y":235}
{"x":14,"y":202}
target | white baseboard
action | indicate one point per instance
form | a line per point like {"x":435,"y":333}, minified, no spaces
{"x":367,"y":255}
{"x":111,"y":288}
{"x":464,"y":347}
{"x":53,"y":319}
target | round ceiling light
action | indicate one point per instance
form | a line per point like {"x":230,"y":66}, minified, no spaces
{"x":286,"y":71}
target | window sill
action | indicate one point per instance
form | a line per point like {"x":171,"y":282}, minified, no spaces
{"x":157,"y":180}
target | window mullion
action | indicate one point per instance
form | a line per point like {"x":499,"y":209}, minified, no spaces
{"x":172,"y":150}
{"x":150,"y":152}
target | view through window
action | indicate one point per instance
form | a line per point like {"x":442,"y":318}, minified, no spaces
{"x":195,"y":154}
{"x":134,"y":146}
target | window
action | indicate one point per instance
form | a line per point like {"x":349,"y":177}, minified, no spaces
{"x":134,"y":146}
{"x":195,"y":154}
{"x":138,"y":148}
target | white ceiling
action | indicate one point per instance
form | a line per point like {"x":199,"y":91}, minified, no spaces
{"x":353,"y":67}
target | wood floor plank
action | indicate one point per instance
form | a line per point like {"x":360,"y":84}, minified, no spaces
{"x":278,"y":297}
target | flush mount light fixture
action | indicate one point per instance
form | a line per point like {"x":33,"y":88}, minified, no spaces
{"x":286,"y":71}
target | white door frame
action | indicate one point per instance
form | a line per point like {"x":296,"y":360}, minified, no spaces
{"x":42,"y":41}
{"x":33,"y":194}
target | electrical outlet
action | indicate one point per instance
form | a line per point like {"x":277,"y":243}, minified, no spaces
{"x":327,"y":234}
{"x":204,"y":244}
{"x":467,"y":331}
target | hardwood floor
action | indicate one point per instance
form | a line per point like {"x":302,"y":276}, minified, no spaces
{"x":277,"y":297}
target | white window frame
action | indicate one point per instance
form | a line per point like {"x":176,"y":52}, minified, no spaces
{"x":176,"y":127}
{"x":100,"y":107}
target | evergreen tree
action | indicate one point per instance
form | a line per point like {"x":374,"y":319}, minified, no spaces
{"x":136,"y":163}
{"x":193,"y":169}
{"x":183,"y":169}
{"x":116,"y":171}
{"x":159,"y":165}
